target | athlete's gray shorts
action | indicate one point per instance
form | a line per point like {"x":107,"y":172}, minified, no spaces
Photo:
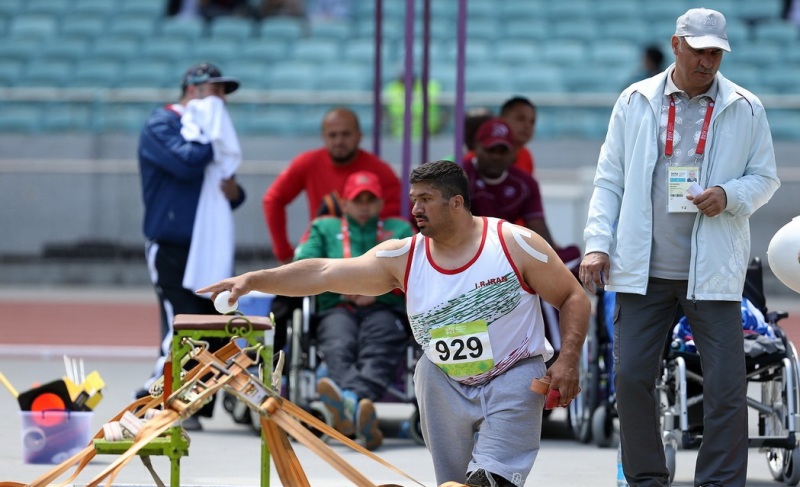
{"x":495,"y":426}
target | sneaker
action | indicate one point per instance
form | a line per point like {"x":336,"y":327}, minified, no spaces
{"x":482,"y":478}
{"x":368,"y":433}
{"x":192,"y":423}
{"x":332,"y":397}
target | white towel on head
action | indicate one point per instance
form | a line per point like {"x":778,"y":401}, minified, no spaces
{"x":213,"y":244}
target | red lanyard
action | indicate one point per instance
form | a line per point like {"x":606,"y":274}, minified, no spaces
{"x":701,"y":144}
{"x":346,"y":249}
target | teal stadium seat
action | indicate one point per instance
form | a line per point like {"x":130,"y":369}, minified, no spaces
{"x":115,"y":48}
{"x":565,"y":11}
{"x":522,"y":10}
{"x":105,"y":8}
{"x":484,"y":9}
{"x":664,"y":13}
{"x":282,"y":28}
{"x":615,"y":53}
{"x":11,"y":8}
{"x":217,"y":52}
{"x":139,"y":28}
{"x":117,"y":118}
{"x":335,"y":31}
{"x":95,"y":74}
{"x":232,"y":28}
{"x":159,"y":49}
{"x":784,"y":124}
{"x":475,"y":51}
{"x":19,"y":49}
{"x":262,"y":50}
{"x":762,"y":54}
{"x":293,"y":76}
{"x":56,"y":8}
{"x":10,"y":72}
{"x":565,"y":53}
{"x":743,"y":74}
{"x":393,"y":31}
{"x":526,"y":30}
{"x":483,"y":29}
{"x":516,"y":53}
{"x":20,"y":118}
{"x":488,"y":77}
{"x":180,"y":28}
{"x":252,"y":75}
{"x":89,"y":26}
{"x":67,"y":117}
{"x":585,"y":30}
{"x":35,"y":26}
{"x":616,"y":11}
{"x":778,"y":31}
{"x":145,"y":73}
{"x":273,"y":121}
{"x":634,"y":30}
{"x":46,"y":73}
{"x":346,"y":77}
{"x":362,"y":50}
{"x":538,"y":78}
{"x":784,"y":81}
{"x":65,"y":49}
{"x":315,"y":51}
{"x":760,"y":10}
{"x":738,"y":32}
{"x":148,"y":8}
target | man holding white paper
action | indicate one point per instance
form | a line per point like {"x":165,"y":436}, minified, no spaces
{"x":658,"y":246}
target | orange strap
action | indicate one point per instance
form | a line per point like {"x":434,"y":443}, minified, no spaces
{"x":289,"y":469}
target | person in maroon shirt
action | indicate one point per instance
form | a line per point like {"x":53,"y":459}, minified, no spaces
{"x":499,"y":189}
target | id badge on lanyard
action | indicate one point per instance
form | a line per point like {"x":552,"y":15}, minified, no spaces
{"x":679,"y":178}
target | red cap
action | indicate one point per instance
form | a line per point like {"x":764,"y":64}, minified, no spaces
{"x":362,"y":181}
{"x":495,"y":132}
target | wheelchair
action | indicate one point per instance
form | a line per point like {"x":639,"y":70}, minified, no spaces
{"x":775,"y":374}
{"x":304,"y":364}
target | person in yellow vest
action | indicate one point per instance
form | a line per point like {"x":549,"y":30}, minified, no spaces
{"x":395,"y":104}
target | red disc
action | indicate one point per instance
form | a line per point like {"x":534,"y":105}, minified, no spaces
{"x":48,"y":409}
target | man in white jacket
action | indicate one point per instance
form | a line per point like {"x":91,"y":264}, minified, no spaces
{"x":657,"y":246}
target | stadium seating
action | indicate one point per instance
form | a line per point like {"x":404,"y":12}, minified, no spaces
{"x":525,"y":46}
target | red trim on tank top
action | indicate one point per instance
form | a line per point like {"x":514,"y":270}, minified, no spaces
{"x":522,"y":283}
{"x":465,"y":266}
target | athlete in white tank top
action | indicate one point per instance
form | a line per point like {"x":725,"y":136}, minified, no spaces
{"x":482,"y":318}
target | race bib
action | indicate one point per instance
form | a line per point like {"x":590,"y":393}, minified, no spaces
{"x":679,"y":178}
{"x":462,"y":349}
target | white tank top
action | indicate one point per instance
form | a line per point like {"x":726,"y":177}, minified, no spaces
{"x":476,"y":321}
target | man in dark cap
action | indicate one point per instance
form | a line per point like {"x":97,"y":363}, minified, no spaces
{"x":188,"y":153}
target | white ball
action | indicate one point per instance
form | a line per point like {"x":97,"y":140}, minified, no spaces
{"x":783,"y":254}
{"x":221,"y":303}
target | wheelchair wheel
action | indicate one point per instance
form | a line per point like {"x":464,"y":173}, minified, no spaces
{"x":579,"y":414}
{"x":319,"y":411}
{"x":602,"y":427}
{"x":415,"y":429}
{"x":784,"y":464}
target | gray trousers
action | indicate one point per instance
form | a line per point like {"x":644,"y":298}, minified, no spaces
{"x":495,"y":426}
{"x":641,"y":326}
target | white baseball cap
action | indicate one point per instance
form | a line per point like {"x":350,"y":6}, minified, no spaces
{"x":703,"y":28}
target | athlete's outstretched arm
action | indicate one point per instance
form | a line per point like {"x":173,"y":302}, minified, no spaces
{"x":367,"y":274}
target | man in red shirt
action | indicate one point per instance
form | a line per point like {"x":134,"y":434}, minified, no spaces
{"x":321,"y":171}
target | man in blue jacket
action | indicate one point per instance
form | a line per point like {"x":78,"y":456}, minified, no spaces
{"x":659,"y":245}
{"x":173,"y":166}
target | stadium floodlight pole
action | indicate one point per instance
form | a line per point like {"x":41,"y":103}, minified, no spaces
{"x":426,"y":60}
{"x":377,"y":105}
{"x":461,"y":40}
{"x":408,"y":81}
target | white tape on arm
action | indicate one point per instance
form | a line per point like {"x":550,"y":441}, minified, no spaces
{"x":518,"y":234}
{"x":397,"y":252}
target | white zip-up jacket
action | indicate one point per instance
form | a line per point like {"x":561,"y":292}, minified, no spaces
{"x":739,"y":159}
